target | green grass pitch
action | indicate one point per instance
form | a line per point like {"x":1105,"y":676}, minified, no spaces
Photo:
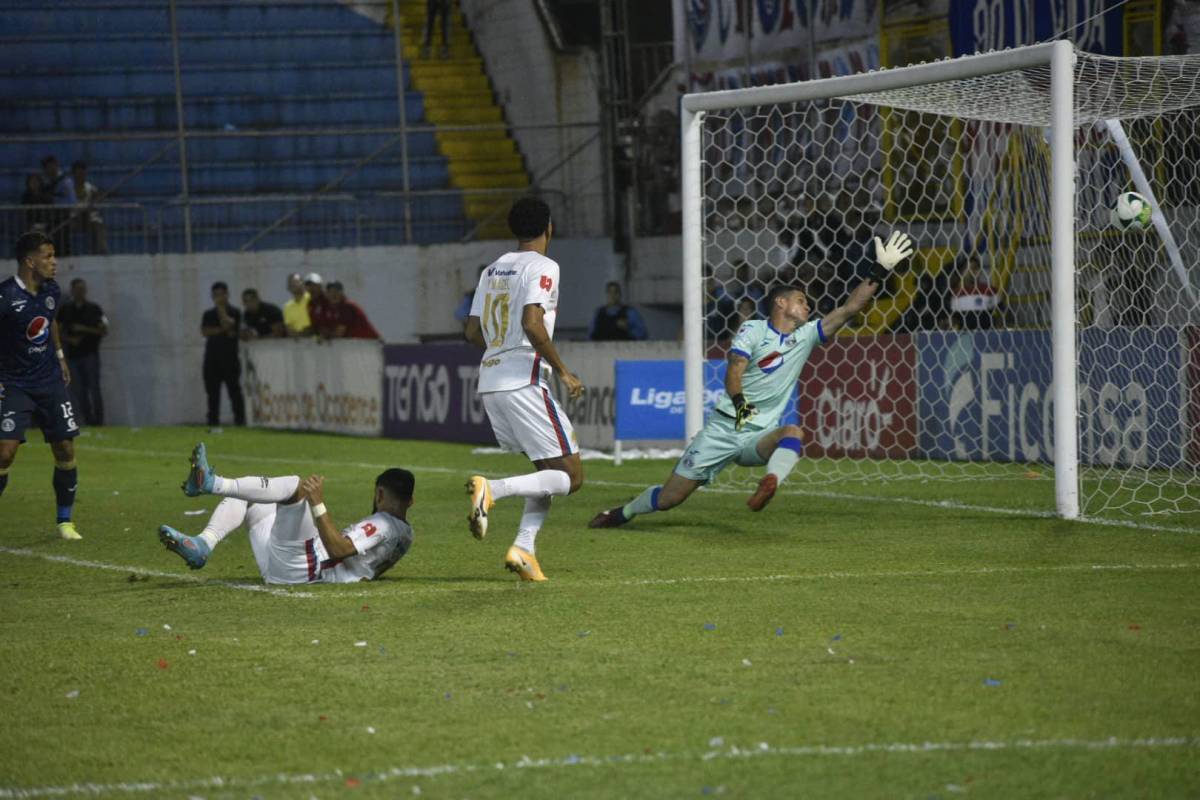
{"x":849,"y":641}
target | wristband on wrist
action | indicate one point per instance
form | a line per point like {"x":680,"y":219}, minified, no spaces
{"x":319,"y":510}
{"x":59,"y":353}
{"x":878,"y":273}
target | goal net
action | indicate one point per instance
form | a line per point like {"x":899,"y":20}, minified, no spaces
{"x":950,"y":375}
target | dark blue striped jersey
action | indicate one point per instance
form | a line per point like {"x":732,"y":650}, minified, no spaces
{"x":27,"y":358}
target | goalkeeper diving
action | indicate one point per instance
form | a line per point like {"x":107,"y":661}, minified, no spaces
{"x":764,"y":363}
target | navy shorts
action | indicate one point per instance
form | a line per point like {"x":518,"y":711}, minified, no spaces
{"x":47,"y":406}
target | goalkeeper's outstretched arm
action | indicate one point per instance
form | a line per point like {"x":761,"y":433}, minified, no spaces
{"x":887,"y":256}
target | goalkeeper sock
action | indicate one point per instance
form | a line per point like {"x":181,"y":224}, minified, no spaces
{"x":787,"y":452}
{"x":254,"y":489}
{"x":66,"y":478}
{"x":226,"y":517}
{"x":3,"y":479}
{"x":536,"y":509}
{"x":644,"y":503}
{"x":546,"y":483}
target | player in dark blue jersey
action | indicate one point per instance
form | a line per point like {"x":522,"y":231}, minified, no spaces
{"x":34,"y":373}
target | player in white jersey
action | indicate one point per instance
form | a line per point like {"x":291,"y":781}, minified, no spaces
{"x":764,"y":363}
{"x":512,"y":318}
{"x":290,"y":544}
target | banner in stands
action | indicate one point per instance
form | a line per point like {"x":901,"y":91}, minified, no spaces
{"x":989,"y":396}
{"x":318,"y":386}
{"x":429,"y":390}
{"x":429,"y":393}
{"x":859,"y":398}
{"x":651,"y":398}
{"x":977,"y":26}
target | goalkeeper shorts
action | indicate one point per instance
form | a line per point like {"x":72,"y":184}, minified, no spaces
{"x":717,"y":446}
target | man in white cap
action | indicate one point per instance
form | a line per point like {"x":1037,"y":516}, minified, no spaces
{"x":321,"y":313}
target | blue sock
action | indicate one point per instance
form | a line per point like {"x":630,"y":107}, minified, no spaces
{"x":644,"y":503}
{"x":65,"y":481}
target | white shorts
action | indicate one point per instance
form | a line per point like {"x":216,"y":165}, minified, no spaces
{"x":291,"y":548}
{"x":528,"y":420}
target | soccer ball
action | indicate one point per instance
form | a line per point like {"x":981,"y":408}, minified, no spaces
{"x":1132,"y":212}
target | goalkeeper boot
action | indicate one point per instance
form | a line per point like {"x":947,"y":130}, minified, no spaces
{"x":766,"y":490}
{"x":613,"y":518}
{"x":66,"y":530}
{"x":481,"y":503}
{"x":200,"y":476}
{"x":523,"y":563}
{"x":192,"y":549}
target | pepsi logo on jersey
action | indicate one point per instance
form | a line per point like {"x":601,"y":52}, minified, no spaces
{"x":771,"y":362}
{"x":38,"y":330}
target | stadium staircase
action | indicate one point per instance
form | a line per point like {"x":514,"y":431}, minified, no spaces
{"x":86,"y":67}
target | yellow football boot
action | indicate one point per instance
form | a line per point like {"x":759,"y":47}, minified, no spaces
{"x":524,"y":564}
{"x":481,"y":503}
{"x":67,"y":531}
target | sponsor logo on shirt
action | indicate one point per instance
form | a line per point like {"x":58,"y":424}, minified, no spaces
{"x":771,"y":362}
{"x":50,"y":303}
{"x":38,"y":330}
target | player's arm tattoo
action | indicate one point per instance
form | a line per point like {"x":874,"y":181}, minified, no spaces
{"x":473,"y":332}
{"x":733,"y":373}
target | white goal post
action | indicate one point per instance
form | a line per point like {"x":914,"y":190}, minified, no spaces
{"x":1049,"y":97}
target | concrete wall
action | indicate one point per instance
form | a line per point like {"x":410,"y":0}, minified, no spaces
{"x":538,"y":86}
{"x":151,"y":358}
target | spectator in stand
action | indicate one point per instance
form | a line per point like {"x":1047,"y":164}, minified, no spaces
{"x":263,"y":320}
{"x":319,"y":311}
{"x":220,"y":326}
{"x":930,"y":307}
{"x":973,"y":299}
{"x":90,"y":221}
{"x":349,"y":320}
{"x":615,"y":321}
{"x":83,"y":325}
{"x":36,"y":195}
{"x":434,"y":8}
{"x":464,"y":308}
{"x":61,"y":189}
{"x":295,"y":311}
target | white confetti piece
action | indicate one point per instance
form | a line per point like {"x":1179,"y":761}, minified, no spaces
{"x":71,"y":695}
{"x":360,"y":644}
{"x":370,"y":729}
{"x":746,"y":662}
{"x":197,"y":512}
{"x":316,"y":641}
{"x":166,"y":627}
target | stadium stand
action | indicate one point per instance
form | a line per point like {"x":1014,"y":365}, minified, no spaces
{"x":253,"y":75}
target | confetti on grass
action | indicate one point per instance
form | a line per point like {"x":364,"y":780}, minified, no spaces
{"x":991,"y":682}
{"x":140,"y":631}
{"x":709,"y":626}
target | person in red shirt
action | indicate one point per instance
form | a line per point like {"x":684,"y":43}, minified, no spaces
{"x":320,"y":311}
{"x":346,"y":319}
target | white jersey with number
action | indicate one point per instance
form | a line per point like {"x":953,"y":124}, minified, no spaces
{"x":510,"y":283}
{"x":380,"y":541}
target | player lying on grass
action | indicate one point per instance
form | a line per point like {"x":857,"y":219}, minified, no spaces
{"x":290,"y":544}
{"x":764,"y":362}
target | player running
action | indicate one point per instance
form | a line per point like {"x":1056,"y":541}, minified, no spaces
{"x":34,"y":373}
{"x":291,"y":545}
{"x":765,"y":360}
{"x":512,"y":317}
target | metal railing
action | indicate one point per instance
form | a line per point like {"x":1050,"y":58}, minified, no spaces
{"x":96,"y":229}
{"x":313,"y":184}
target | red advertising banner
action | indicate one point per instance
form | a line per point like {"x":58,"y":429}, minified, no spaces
{"x":858,"y":398}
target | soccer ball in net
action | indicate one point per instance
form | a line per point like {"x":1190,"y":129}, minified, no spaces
{"x":1132,"y":212}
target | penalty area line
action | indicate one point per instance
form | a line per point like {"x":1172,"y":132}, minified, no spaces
{"x":733,"y":752}
{"x":153,"y":573}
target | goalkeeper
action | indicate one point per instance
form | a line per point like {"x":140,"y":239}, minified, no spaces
{"x":765,"y":360}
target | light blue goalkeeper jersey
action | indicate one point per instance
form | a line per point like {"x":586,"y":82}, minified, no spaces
{"x":775,"y":363}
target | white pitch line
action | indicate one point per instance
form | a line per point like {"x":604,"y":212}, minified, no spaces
{"x":176,"y":576}
{"x":759,"y":750}
{"x":944,"y":505}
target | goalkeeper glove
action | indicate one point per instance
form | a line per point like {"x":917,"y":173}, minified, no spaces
{"x":899,"y":247}
{"x":742,"y":411}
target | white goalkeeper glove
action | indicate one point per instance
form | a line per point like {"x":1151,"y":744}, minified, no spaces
{"x":899,"y":247}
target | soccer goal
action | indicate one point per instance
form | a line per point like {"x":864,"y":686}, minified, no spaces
{"x":1030,"y":329}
